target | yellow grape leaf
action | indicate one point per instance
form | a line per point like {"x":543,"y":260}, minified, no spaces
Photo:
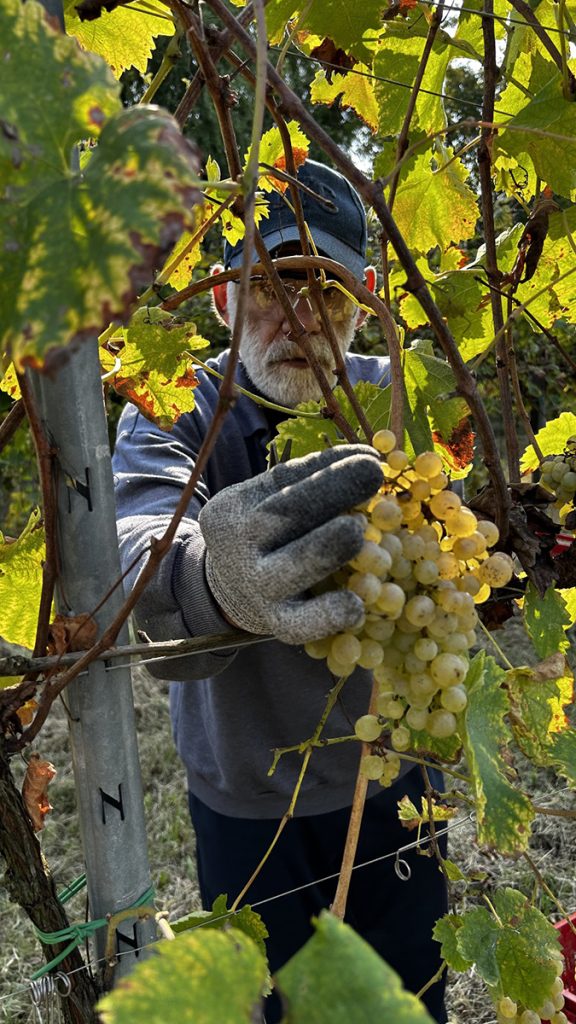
{"x":124,"y":37}
{"x":551,"y":439}
{"x":569,"y":596}
{"x":357,"y":92}
{"x":539,"y":696}
{"x":20,"y":586}
{"x":155,"y":373}
{"x":271,"y":152}
{"x":556,"y":273}
{"x":9,"y":383}
{"x":434,"y":205}
{"x":411,"y":817}
{"x":186,"y":254}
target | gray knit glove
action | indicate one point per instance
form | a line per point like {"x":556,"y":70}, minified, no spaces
{"x":271,"y":538}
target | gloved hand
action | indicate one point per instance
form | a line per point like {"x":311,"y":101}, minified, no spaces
{"x":271,"y":538}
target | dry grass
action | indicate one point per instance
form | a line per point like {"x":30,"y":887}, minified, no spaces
{"x":171,"y":848}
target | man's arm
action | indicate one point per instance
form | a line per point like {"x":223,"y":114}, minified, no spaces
{"x":151,"y":468}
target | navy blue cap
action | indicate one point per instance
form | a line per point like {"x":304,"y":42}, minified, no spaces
{"x":338,"y":226}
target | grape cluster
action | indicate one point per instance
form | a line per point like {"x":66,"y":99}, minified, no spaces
{"x":510,"y":1012}
{"x":424,"y":566}
{"x":558,"y":474}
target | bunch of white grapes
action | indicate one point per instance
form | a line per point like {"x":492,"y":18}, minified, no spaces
{"x":510,"y":1012}
{"x":558,"y":474}
{"x":424,"y":567}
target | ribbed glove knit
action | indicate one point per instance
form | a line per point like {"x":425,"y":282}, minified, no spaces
{"x":270,"y":539}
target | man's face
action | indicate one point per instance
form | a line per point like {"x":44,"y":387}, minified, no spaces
{"x":275,"y":363}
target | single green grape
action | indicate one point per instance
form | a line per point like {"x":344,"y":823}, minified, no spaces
{"x":368,"y":728}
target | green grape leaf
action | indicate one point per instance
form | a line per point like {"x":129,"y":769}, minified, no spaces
{"x":503,"y":813}
{"x":245,"y":920}
{"x":83,"y":245}
{"x":434,"y":205}
{"x":453,"y":872}
{"x":430,"y":387}
{"x":337,"y":976}
{"x":124,"y":37}
{"x":356,"y":91}
{"x":36,"y":143}
{"x":532,"y":71}
{"x":551,"y":439}
{"x":514,"y":949}
{"x":448,"y":749}
{"x":446,"y":931}
{"x":527,"y":948}
{"x":155,"y":372}
{"x":544,"y":131}
{"x":311,"y":435}
{"x":408,"y":37}
{"x":208,"y":976}
{"x":470,"y":24}
{"x":551,"y":293}
{"x":546,"y":621}
{"x":465,"y":301}
{"x":350,"y":26}
{"x":477,"y":940}
{"x":21,"y":585}
{"x":563,"y":755}
{"x":538,"y":697}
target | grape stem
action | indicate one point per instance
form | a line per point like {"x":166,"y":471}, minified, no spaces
{"x":429,"y":794}
{"x":432,"y":981}
{"x":339,"y":905}
{"x":307,"y":749}
{"x":544,"y":885}
{"x":301,"y":747}
{"x":495,"y":645}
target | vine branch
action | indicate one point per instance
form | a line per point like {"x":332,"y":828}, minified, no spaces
{"x":493,"y":274}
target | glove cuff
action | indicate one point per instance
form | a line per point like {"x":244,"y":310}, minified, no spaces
{"x":235,"y":609}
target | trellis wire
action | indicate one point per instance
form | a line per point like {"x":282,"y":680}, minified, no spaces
{"x":425,"y":840}
{"x":390,"y":81}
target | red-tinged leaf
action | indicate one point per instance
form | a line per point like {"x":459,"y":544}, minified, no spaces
{"x":333,"y":58}
{"x":459,"y":447}
{"x":71,"y":633}
{"x":148,"y":364}
{"x":35,"y":790}
{"x":26,"y":712}
{"x":299,"y":154}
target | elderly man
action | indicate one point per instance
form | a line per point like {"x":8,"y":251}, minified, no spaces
{"x":248,"y":553}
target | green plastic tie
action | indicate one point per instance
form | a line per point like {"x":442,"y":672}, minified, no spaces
{"x":78,"y":933}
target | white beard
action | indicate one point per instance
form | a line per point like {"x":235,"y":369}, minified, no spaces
{"x":289,"y":385}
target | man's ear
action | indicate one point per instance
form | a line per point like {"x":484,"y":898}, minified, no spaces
{"x":370,"y":283}
{"x":220,"y":296}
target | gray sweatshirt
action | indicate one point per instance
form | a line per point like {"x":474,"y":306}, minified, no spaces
{"x":229,"y":710}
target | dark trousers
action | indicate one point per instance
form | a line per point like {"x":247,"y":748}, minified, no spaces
{"x":396,"y":917}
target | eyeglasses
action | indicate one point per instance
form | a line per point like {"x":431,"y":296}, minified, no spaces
{"x":338,"y":305}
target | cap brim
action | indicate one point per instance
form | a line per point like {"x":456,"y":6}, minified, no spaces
{"x":330,"y":246}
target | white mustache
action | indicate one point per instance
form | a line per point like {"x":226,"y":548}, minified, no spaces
{"x":280,"y":350}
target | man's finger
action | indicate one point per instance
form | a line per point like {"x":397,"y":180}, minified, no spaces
{"x":313,"y":500}
{"x":309,"y":559}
